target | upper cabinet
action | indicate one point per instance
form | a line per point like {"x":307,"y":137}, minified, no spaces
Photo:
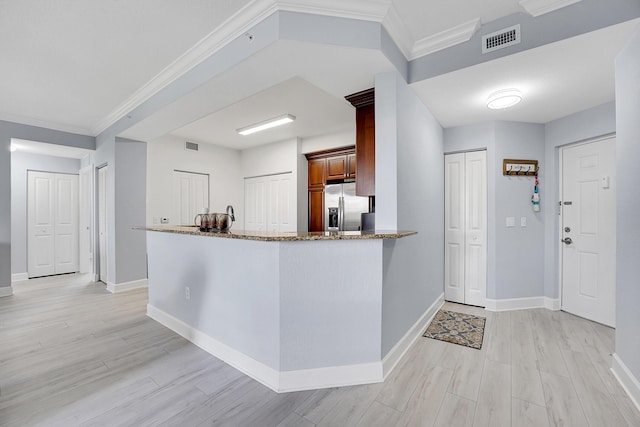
{"x":341,"y":167}
{"x":365,"y":141}
{"x":317,"y":172}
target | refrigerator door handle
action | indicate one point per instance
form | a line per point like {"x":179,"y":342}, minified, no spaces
{"x":341,"y":214}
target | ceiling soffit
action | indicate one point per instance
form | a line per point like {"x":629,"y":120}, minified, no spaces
{"x":164,"y":89}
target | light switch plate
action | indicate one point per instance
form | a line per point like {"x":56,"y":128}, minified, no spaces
{"x":523,"y":221}
{"x":511,"y":221}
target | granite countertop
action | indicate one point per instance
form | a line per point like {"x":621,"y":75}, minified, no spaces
{"x":269,"y":236}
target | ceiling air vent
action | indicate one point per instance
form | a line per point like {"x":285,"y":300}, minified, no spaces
{"x":190,"y":146}
{"x":499,"y":39}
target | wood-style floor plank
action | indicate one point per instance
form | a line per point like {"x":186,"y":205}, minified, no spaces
{"x":72,"y":354}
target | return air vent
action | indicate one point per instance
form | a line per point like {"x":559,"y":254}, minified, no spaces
{"x":500,"y":39}
{"x":190,"y":146}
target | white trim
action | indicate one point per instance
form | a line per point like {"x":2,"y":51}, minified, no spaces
{"x":398,"y":31}
{"x":390,"y":361}
{"x":30,"y":121}
{"x":522,"y":303}
{"x":540,"y":7}
{"x":552,"y":304}
{"x":285,"y":381}
{"x":127,"y":286}
{"x":6,"y":291}
{"x":233,"y":27}
{"x":627,"y":380}
{"x":334,"y":376}
{"x":19,"y":277}
{"x":444,"y":39}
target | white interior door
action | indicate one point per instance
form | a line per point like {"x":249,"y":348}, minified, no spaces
{"x":269,"y":203}
{"x":66,"y":223}
{"x":102,"y":224}
{"x":475,"y":266}
{"x":466,"y":227}
{"x":40,"y":224}
{"x":589,"y":230}
{"x":454,"y":200}
{"x":255,"y":204}
{"x":191,"y":195}
{"x":52,"y":223}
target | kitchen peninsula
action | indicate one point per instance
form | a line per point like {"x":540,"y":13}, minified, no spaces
{"x":294,"y":311}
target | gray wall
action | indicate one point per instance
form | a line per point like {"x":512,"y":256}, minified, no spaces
{"x":10,"y":130}
{"x":126,"y":207}
{"x":628,"y":205}
{"x":409,"y":196}
{"x":514,"y":255}
{"x":592,"y":123}
{"x":20,"y":163}
{"x":130,"y":210}
{"x":519,"y":250}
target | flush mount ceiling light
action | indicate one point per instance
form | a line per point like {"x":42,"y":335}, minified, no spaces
{"x":257,"y":127}
{"x":504,"y":99}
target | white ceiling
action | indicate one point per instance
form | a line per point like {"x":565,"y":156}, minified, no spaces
{"x":556,"y":80}
{"x":71,"y":64}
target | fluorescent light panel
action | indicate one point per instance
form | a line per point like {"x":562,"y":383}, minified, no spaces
{"x":267,"y":124}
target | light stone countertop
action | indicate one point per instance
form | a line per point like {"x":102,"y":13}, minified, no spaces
{"x":268,"y":236}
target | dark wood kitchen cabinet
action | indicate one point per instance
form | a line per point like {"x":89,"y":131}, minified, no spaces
{"x":341,"y":167}
{"x":339,"y":163}
{"x":316,"y":209}
{"x":365,"y":141}
{"x":317,"y":176}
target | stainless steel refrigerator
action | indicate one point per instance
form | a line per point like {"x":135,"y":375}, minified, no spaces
{"x":342,"y":208}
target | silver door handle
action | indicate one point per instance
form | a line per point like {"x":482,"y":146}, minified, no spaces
{"x":567,"y":241}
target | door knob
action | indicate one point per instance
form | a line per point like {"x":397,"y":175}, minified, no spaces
{"x":567,"y":241}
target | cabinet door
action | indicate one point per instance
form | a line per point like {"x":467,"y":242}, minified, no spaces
{"x":366,"y":151}
{"x":316,"y":209}
{"x":337,"y":167}
{"x":316,"y":172}
{"x":351,"y":166}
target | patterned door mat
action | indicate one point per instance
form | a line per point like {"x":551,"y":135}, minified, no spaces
{"x":457,"y":328}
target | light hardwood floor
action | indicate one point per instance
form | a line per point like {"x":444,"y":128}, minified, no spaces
{"x":73,"y":354}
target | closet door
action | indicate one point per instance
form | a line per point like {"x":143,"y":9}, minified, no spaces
{"x":52,"y":223}
{"x":454,"y":223}
{"x":475,"y":259}
{"x":466,"y":228}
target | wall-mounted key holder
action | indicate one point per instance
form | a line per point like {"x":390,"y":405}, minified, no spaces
{"x":519,"y":167}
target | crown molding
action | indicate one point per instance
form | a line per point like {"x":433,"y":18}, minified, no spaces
{"x":236,"y":25}
{"x":397,"y":29}
{"x":444,"y":39}
{"x":368,"y":10}
{"x":540,"y":7}
{"x":31,"y":121}
{"x":223,"y":34}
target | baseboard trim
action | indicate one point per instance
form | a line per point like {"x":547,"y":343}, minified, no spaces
{"x":19,"y":277}
{"x":390,"y":361}
{"x":522,"y":304}
{"x":6,"y":291}
{"x":127,"y":286}
{"x":627,"y":380}
{"x":278,"y":381}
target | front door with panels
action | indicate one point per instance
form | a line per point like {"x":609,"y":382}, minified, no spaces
{"x":466,"y":228}
{"x":52,"y":223}
{"x":588,"y":230}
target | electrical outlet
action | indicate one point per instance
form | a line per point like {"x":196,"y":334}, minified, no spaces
{"x":523,"y":221}
{"x":187,"y":292}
